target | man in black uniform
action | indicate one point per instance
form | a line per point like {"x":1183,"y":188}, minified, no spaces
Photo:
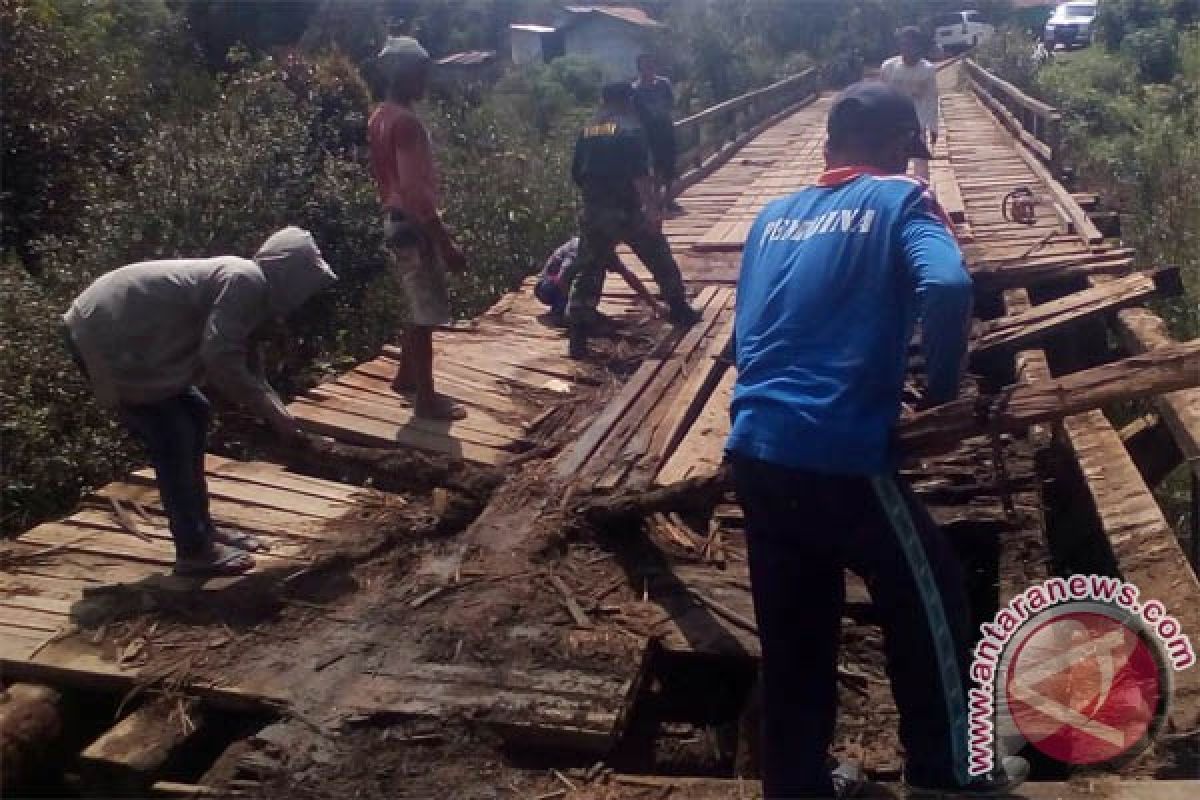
{"x":620,"y":204}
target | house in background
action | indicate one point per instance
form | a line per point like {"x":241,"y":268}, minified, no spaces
{"x":611,"y":36}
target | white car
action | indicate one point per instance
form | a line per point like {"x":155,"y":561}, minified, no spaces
{"x":1072,"y":24}
{"x":960,"y":30}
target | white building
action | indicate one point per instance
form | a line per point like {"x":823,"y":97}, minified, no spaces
{"x":612,"y":36}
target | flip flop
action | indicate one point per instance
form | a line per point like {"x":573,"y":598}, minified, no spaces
{"x":217,"y":561}
{"x":240,"y":539}
{"x":444,"y":410}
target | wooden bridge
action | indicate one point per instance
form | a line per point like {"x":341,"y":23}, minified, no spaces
{"x":546,"y":634}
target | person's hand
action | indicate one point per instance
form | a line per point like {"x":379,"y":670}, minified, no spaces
{"x":454,"y":259}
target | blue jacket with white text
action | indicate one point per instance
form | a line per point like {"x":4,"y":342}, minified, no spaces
{"x":834,"y":278}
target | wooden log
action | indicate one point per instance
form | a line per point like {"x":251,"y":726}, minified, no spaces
{"x":1152,"y":448}
{"x":693,"y":494}
{"x":1035,"y":272}
{"x":130,"y":754}
{"x":386,"y":469}
{"x":30,"y":725}
{"x":1166,"y":369}
{"x":1016,"y":330}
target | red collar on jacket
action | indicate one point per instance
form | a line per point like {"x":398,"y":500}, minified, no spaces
{"x":840,"y":175}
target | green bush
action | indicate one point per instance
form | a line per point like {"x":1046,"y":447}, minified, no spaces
{"x":1155,"y":51}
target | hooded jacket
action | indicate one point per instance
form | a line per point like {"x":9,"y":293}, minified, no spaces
{"x":149,"y":330}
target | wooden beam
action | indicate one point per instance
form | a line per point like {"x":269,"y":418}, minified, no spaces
{"x":1034,"y":272}
{"x":1152,"y":448}
{"x":1142,"y":331}
{"x":1040,"y":321}
{"x":1163,"y":370}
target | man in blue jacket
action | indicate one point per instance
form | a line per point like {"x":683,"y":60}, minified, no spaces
{"x":834,"y":278}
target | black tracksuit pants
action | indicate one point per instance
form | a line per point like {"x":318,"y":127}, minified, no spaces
{"x":804,"y":529}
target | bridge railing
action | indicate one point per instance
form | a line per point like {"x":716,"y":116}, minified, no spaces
{"x":1038,"y":125}
{"x":707,"y":138}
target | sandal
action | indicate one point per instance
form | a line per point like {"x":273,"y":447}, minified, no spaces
{"x":218,"y":560}
{"x":240,"y":539}
{"x":443,"y":408}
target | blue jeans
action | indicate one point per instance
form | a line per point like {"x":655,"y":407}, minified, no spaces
{"x":803,"y":530}
{"x":175,"y":432}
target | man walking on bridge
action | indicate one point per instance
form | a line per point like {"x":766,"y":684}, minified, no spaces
{"x":620,"y":204}
{"x":420,"y":246}
{"x":914,"y":76}
{"x":833,"y":279}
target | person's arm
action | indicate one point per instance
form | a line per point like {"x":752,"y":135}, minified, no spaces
{"x":944,"y":295}
{"x":239,"y":308}
{"x":928,"y":107}
{"x":643,"y":181}
{"x":419,"y":194}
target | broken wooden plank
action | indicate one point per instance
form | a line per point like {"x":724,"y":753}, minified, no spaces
{"x":1042,"y":320}
{"x":131,"y":753}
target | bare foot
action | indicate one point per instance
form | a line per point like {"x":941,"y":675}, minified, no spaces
{"x":441,"y":408}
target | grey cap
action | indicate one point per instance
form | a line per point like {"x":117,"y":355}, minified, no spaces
{"x":404,"y":51}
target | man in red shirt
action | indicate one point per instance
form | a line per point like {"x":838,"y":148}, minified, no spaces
{"x":421,"y":248}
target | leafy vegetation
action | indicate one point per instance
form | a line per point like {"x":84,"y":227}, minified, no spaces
{"x":1131,"y":108}
{"x":171,"y":128}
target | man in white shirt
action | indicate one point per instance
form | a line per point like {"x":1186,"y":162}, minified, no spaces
{"x":917,"y":78}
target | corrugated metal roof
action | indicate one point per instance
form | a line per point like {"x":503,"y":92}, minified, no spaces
{"x":467,"y":58}
{"x":634,"y":16}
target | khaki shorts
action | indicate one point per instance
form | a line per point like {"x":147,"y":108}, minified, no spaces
{"x":420,"y":270}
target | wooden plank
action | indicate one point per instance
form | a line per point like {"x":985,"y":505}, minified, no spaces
{"x":332,"y":400}
{"x":613,"y":451}
{"x":258,"y":519}
{"x":372,"y":433}
{"x":133,"y":751}
{"x":1045,"y":319}
{"x":702,"y":450}
{"x":573,"y":458}
{"x":277,"y":498}
{"x":562,"y":708}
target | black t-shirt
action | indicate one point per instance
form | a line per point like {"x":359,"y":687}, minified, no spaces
{"x":610,"y":154}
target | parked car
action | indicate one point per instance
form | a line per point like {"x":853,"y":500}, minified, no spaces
{"x":1072,"y":24}
{"x":960,"y":30}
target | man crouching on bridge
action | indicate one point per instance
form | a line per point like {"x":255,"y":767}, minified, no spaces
{"x":620,"y":204}
{"x":833,"y":279}
{"x":147,"y":333}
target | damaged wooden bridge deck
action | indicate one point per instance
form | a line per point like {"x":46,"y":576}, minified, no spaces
{"x":549,"y":641}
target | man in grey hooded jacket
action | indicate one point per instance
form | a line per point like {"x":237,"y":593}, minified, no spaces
{"x":147,"y":333}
